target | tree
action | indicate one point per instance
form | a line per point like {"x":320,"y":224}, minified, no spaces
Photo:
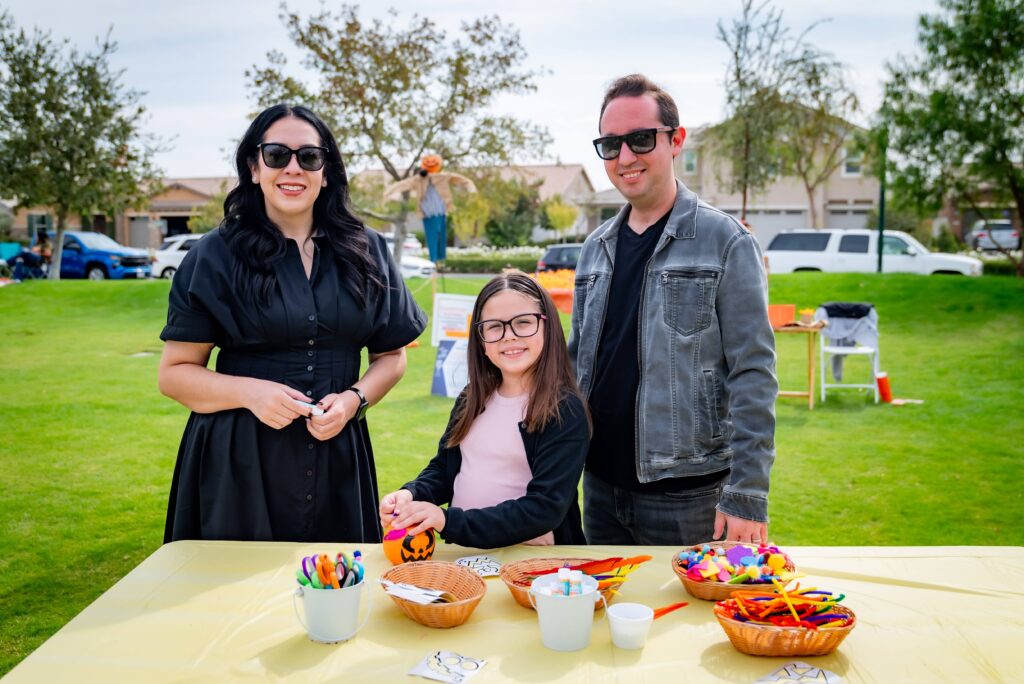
{"x":392,"y":93}
{"x":514,"y":213}
{"x":210,"y":214}
{"x":764,"y":61}
{"x":954,"y":115}
{"x":559,"y":216}
{"x":72,"y":131}
{"x":815,"y":131}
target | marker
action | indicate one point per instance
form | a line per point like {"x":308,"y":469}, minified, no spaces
{"x":314,"y":409}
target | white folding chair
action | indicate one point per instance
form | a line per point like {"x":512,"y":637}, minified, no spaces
{"x":851,"y":330}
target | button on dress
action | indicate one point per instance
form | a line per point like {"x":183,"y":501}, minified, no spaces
{"x":236,"y":478}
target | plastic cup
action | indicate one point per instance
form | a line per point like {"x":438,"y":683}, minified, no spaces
{"x":332,"y":615}
{"x":630,"y":623}
{"x":565,"y":621}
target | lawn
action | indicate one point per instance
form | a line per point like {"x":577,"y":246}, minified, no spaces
{"x":87,"y":443}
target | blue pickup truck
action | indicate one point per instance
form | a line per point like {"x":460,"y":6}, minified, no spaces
{"x":96,"y":257}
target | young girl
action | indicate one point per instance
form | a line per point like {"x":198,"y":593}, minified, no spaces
{"x":510,"y":460}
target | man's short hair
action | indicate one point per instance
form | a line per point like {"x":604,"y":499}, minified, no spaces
{"x":637,"y":85}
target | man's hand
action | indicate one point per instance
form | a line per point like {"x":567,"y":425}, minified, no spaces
{"x":746,"y":531}
{"x":417,"y":516}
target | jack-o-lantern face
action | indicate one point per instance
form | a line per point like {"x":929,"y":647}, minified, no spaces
{"x":431,"y":163}
{"x":400,"y":547}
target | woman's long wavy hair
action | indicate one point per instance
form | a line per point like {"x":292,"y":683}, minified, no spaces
{"x":551,"y":377}
{"x":257,"y":243}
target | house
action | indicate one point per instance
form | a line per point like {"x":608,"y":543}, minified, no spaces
{"x":843,"y":201}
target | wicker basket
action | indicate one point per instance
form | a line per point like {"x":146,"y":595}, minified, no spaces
{"x":516,"y":577}
{"x":716,"y":591}
{"x":461,"y":582}
{"x":769,"y":640}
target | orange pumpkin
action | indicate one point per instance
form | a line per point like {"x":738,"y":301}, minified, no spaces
{"x":431,"y":163}
{"x":400,"y":547}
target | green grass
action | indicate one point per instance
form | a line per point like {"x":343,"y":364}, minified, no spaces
{"x":87,"y":443}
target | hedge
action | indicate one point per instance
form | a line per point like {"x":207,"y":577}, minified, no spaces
{"x":482,"y":264}
{"x":999,"y":267}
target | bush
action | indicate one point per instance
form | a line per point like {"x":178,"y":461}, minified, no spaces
{"x":946,"y":242}
{"x":489,"y":264}
{"x":999,"y":267}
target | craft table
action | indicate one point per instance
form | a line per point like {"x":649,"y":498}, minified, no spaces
{"x":222,"y":611}
{"x":812,"y":345}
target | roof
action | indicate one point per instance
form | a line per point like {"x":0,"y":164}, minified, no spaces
{"x":208,"y":186}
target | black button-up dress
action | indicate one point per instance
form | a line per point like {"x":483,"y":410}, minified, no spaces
{"x":236,"y":478}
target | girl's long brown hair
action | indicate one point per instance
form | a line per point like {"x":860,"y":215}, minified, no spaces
{"x":550,"y":378}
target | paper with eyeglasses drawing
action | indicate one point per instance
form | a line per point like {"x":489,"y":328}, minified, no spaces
{"x":447,"y":666}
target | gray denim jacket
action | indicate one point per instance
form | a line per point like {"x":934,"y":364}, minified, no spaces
{"x":706,"y":399}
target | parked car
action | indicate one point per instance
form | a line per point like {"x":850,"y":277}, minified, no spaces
{"x":96,"y":257}
{"x":411,"y":244}
{"x":417,"y":267}
{"x":856,"y":251}
{"x":562,"y":256}
{"x":168,"y":258}
{"x":993,"y":234}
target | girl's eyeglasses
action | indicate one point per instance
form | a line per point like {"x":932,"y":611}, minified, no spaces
{"x":277,"y":156}
{"x":523,"y":325}
{"x":640,"y":142}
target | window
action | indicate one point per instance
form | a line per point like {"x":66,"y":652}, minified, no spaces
{"x":689,"y":162}
{"x":894,"y":246}
{"x":186,"y":245}
{"x":853,"y":163}
{"x":799,"y":242}
{"x":857,"y":244}
{"x":608,"y":213}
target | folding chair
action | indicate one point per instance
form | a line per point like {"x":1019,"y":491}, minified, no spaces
{"x":851,"y":330}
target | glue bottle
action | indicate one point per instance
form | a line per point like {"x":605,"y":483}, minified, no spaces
{"x":576,"y":582}
{"x":563,"y":580}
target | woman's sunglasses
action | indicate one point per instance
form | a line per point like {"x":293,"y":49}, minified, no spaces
{"x":277,"y":156}
{"x":639,"y":142}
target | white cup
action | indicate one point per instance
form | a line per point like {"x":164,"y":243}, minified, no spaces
{"x":565,"y":621}
{"x":331,"y":614}
{"x":630,"y":623}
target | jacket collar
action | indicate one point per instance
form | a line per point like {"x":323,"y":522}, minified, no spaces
{"x":681,"y":224}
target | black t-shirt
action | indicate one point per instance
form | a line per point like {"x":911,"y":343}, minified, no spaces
{"x":612,"y":455}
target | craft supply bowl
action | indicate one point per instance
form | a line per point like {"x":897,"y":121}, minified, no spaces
{"x":716,"y":591}
{"x":518,"y":576}
{"x":769,"y":640}
{"x":461,"y":582}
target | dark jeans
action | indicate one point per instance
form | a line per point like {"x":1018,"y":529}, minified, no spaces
{"x":613,"y":516}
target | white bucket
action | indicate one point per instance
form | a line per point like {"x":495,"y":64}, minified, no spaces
{"x":630,"y":624}
{"x":332,"y":615}
{"x":565,"y":621}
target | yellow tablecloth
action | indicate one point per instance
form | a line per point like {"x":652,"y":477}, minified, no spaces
{"x":216,"y":611}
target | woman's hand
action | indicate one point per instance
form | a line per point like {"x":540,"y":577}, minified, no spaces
{"x":274,"y":404}
{"x":391,"y":504}
{"x":417,"y":516}
{"x":338,"y":410}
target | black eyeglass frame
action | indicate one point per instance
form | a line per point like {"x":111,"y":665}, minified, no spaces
{"x":507,"y":325}
{"x":262,"y":147}
{"x":630,"y":140}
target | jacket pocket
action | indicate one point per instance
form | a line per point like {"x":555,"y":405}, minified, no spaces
{"x":687,"y":297}
{"x":581,"y":292}
{"x":712,"y":401}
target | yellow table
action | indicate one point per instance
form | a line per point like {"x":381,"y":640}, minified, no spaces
{"x":220,"y":611}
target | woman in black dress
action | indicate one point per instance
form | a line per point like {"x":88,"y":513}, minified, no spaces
{"x":291,"y":288}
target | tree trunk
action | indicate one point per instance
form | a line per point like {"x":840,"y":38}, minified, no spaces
{"x":58,"y":245}
{"x":812,"y":206}
{"x":400,"y":230}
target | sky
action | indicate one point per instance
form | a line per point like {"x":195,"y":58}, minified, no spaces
{"x":190,"y":56}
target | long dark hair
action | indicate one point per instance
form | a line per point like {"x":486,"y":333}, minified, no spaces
{"x":255,"y":240}
{"x":551,"y":376}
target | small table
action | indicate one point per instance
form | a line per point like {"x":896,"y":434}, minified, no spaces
{"x":812,"y":338}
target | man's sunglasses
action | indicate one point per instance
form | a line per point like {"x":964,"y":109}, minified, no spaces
{"x":277,"y":156}
{"x":639,"y":142}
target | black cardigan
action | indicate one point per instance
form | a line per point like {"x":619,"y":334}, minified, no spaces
{"x":556,"y":455}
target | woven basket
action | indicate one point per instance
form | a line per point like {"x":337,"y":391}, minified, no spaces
{"x":769,"y":640}
{"x":461,"y":582}
{"x":517,"y":578}
{"x":716,"y":591}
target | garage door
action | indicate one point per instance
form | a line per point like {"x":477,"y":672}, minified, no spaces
{"x":767,"y":223}
{"x":845,"y":219}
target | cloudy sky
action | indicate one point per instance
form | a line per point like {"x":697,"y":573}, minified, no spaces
{"x":190,"y":57}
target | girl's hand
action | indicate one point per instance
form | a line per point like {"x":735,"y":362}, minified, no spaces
{"x":390,"y":505}
{"x":417,"y":516}
{"x":274,"y":404}
{"x":337,"y":412}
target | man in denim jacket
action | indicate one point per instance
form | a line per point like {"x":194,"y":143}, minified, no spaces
{"x":672,"y":346}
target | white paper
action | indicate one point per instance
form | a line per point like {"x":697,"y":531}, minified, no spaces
{"x":801,"y":673}
{"x":447,"y":666}
{"x":485,"y":566}
{"x":411,"y":592}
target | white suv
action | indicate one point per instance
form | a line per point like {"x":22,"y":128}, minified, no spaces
{"x":168,"y":258}
{"x":856,"y":251}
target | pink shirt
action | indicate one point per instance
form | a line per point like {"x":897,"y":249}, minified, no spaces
{"x":494,"y":466}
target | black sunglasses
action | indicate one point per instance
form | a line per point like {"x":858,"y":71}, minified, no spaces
{"x":639,"y":142}
{"x":277,"y":156}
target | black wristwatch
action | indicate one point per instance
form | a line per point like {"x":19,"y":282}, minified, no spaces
{"x":363,"y":404}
